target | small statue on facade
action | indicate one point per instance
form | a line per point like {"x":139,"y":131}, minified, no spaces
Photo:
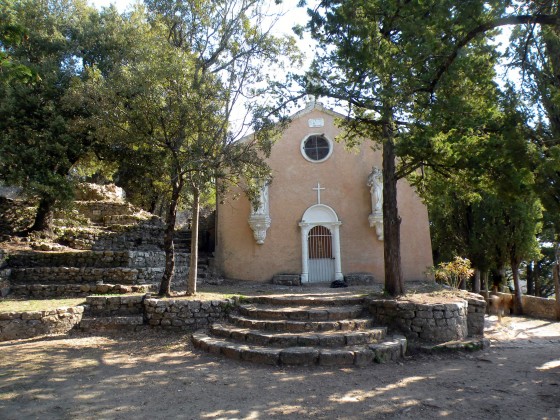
{"x":375,"y":184}
{"x":259,"y":220}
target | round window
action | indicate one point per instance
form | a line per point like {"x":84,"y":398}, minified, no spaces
{"x":316,"y":148}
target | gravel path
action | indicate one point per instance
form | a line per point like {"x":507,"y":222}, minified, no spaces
{"x":158,"y":375}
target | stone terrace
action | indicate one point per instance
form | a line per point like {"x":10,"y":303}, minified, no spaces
{"x":118,"y":249}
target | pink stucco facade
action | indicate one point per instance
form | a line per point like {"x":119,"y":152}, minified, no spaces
{"x":344,"y":179}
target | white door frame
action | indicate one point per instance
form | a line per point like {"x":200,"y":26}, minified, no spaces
{"x":320,"y":215}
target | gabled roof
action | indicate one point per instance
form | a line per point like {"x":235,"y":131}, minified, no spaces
{"x":309,"y":107}
{"x":314,"y":105}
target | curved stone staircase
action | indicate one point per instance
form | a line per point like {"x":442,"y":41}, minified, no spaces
{"x":326,"y":329}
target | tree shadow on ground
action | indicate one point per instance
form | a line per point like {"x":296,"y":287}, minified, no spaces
{"x":158,"y":375}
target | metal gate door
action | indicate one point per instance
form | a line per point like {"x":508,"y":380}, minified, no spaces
{"x":321,"y":261}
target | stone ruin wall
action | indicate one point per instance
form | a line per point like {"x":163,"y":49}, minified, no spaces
{"x":189,"y":315}
{"x":46,"y":291}
{"x":435,"y":323}
{"x":169,"y":314}
{"x":144,"y":237}
{"x":16,"y":325}
{"x":104,"y":271}
{"x":96,"y":210}
{"x":534,"y":306}
{"x":94,"y":259}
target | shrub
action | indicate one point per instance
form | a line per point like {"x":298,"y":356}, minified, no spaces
{"x":453,"y":273}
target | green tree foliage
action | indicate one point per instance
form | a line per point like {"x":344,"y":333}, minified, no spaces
{"x":533,"y":51}
{"x":231,"y":42}
{"x":39,"y":140}
{"x":12,"y":34}
{"x":477,"y":178}
{"x":383,"y":58}
{"x":165,"y":111}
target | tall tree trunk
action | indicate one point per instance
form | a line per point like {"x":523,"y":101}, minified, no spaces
{"x":394,"y":284}
{"x":193,"y":270}
{"x":168,"y":247}
{"x":476,"y":281}
{"x":556,"y":277}
{"x":530,"y":279}
{"x":484,"y":280}
{"x":537,"y":277}
{"x":517,"y":298}
{"x":43,"y":217}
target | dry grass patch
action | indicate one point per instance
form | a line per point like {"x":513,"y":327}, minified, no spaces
{"x":21,"y":305}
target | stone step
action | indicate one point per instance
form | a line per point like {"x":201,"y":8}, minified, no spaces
{"x":73,"y":275}
{"x":388,"y":350}
{"x":301,"y":326}
{"x":302,"y":339}
{"x":112,"y":323}
{"x":338,"y":299}
{"x":42,"y":291}
{"x":301,"y":313}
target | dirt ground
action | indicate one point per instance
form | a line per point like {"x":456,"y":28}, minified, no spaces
{"x":158,"y":375}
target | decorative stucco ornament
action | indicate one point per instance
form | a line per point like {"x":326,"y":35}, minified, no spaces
{"x":375,"y":184}
{"x":259,"y":220}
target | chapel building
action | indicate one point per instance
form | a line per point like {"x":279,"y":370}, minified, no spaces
{"x":321,"y":215}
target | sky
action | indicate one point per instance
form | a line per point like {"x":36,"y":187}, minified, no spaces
{"x":293,"y":15}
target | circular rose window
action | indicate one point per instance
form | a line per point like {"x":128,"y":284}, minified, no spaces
{"x":316,"y":148}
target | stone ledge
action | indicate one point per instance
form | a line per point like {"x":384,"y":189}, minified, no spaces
{"x":390,"y":350}
{"x":287,"y":279}
{"x":76,"y":290}
{"x":93,"y":259}
{"x":299,"y":339}
{"x":428,"y":322}
{"x":185,"y":315}
{"x":301,"y":313}
{"x":112,"y":323}
{"x":359,"y":279}
{"x":301,"y":326}
{"x":16,"y":325}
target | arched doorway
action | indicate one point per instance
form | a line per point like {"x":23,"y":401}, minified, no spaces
{"x":320,"y":254}
{"x":320,"y":245}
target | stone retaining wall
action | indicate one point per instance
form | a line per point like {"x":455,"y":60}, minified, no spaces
{"x":96,"y":259}
{"x":187,"y":315}
{"x":539,"y":307}
{"x":85,"y":275}
{"x":42,"y":291}
{"x":96,"y":210}
{"x":30,"y":324}
{"x":15,"y":215}
{"x":144,"y":237}
{"x":90,"y":267}
{"x":5,"y":273}
{"x":533,"y":306}
{"x":475,"y":315}
{"x":115,"y":305}
{"x":68,"y":275}
{"x":434,"y":323}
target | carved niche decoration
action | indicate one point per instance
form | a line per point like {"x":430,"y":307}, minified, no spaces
{"x":375,"y":184}
{"x":259,"y":220}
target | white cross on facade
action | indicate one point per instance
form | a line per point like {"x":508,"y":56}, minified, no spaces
{"x":318,"y":189}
